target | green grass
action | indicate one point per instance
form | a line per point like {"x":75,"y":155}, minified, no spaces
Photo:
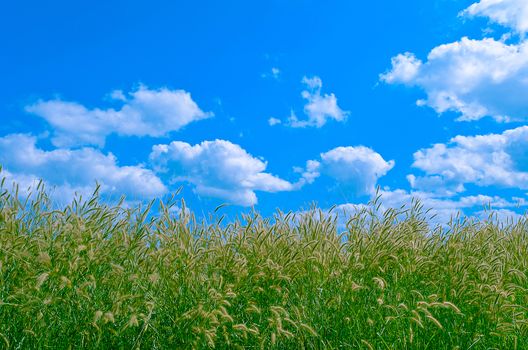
{"x":97,"y":276}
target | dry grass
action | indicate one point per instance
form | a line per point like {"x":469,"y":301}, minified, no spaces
{"x":98,"y":276}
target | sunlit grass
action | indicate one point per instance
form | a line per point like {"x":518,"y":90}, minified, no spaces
{"x":97,"y":276}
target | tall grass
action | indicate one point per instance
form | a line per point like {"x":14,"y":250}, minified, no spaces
{"x":97,"y":276}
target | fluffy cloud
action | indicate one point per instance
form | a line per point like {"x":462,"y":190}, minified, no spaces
{"x":475,"y":78}
{"x":318,"y":108}
{"x":405,"y":69}
{"x":144,"y":112}
{"x":444,"y":209}
{"x":218,"y":169}
{"x":493,"y":159}
{"x":74,"y":171}
{"x":356,"y":168}
{"x":509,"y":13}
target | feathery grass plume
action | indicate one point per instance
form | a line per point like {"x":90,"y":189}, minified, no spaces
{"x":93,"y":275}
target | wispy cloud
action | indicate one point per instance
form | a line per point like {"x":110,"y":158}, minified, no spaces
{"x":274,"y":121}
{"x":274,"y":73}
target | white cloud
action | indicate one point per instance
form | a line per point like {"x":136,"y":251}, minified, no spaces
{"x":145,"y":113}
{"x":476,"y":78}
{"x":509,"y":13}
{"x":274,"y":121}
{"x":443,"y":209}
{"x":314,"y":82}
{"x":439,"y":210}
{"x":319,"y":108}
{"x":308,"y":174}
{"x":485,"y":160}
{"x":436,"y":184}
{"x":71,"y":171}
{"x":355,"y":168}
{"x":500,"y":215}
{"x":405,"y":68}
{"x":118,"y":95}
{"x":275,"y":72}
{"x":218,"y":169}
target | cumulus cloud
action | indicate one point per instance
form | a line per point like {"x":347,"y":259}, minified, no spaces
{"x":144,"y":112}
{"x":509,"y":13}
{"x":217,"y":169}
{"x":356,"y":168}
{"x":484,"y":160}
{"x":74,"y":171}
{"x":319,"y":108}
{"x":476,"y":78}
{"x":405,"y":69}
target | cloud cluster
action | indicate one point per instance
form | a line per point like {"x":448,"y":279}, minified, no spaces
{"x":144,"y":112}
{"x":218,"y":169}
{"x":474,"y":78}
{"x":224,"y":170}
{"x":74,"y":171}
{"x":74,"y":167}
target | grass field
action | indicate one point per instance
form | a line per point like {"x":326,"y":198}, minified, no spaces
{"x":96,"y":276}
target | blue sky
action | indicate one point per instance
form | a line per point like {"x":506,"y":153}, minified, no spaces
{"x":272,"y":104}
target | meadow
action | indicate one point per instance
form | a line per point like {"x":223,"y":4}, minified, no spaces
{"x":95,"y":275}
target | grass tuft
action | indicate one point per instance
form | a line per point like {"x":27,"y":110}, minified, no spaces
{"x":92,"y":275}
